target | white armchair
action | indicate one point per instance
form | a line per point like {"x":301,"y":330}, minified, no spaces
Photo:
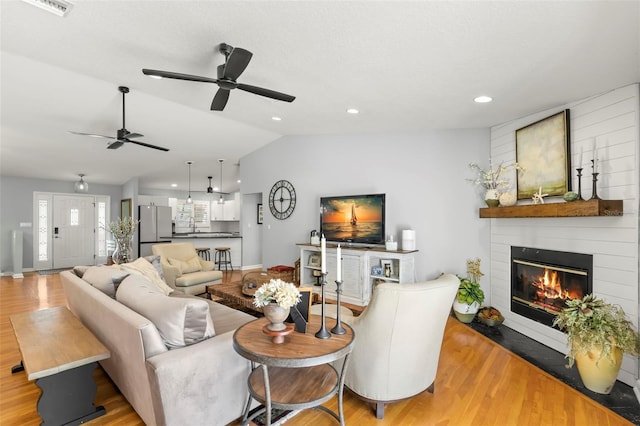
{"x":398,"y":340}
{"x":183,"y":270}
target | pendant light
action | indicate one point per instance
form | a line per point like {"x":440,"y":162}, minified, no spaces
{"x":189,"y":200}
{"x":221,"y":199}
{"x":81,"y":186}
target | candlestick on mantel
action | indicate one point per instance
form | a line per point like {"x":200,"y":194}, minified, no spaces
{"x":339,"y":263}
{"x":323,"y":255}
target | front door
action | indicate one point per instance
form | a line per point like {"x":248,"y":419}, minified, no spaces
{"x":73,"y":230}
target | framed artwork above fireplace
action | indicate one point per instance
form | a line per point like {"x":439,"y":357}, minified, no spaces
{"x":543,"y":150}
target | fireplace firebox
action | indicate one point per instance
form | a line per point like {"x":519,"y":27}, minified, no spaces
{"x":542,"y":280}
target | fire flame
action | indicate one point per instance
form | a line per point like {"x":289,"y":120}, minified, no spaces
{"x":550,"y":287}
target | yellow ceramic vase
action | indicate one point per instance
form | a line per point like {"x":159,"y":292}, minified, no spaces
{"x":599,"y":375}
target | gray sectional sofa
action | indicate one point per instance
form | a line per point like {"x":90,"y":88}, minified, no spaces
{"x":199,"y":381}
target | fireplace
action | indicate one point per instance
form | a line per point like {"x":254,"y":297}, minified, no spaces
{"x":542,"y":280}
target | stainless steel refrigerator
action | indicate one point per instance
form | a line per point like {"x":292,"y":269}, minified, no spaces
{"x":154,"y":227}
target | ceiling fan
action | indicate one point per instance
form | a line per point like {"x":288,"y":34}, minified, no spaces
{"x":123,"y":135}
{"x":212,"y":190}
{"x":236,"y":61}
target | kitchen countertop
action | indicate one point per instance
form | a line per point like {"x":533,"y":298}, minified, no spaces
{"x":206,"y":235}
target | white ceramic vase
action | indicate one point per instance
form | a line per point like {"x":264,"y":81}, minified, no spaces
{"x":465,"y":312}
{"x":276,"y":315}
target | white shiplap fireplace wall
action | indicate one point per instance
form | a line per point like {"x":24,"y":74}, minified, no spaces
{"x":611,"y":120}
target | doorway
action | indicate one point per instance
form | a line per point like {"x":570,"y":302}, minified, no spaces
{"x":69,"y":230}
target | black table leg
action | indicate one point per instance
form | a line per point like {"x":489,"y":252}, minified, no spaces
{"x":67,"y":397}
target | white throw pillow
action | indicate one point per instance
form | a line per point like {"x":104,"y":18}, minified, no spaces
{"x":188,"y":266}
{"x":142,"y":266}
{"x":181,"y":321}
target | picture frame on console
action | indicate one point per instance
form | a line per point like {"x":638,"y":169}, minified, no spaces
{"x":314,"y":260}
{"x":543,"y":151}
{"x":387,"y":267}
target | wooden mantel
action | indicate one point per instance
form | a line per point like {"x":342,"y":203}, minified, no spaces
{"x":563,"y":209}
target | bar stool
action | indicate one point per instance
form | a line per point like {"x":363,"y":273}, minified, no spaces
{"x":223,"y":257}
{"x":204,"y":253}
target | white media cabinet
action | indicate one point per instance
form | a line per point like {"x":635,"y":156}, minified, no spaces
{"x":358,"y":278}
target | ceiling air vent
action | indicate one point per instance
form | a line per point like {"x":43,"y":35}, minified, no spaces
{"x":59,"y":7}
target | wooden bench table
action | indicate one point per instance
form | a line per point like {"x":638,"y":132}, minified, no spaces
{"x":60,"y":354}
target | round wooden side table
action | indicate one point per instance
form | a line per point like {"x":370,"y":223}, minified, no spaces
{"x":296,"y":374}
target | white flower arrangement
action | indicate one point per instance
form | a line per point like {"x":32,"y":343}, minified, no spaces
{"x":491,"y":179}
{"x":123,"y":229}
{"x":276,"y":291}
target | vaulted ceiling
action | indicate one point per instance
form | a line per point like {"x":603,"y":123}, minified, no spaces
{"x":407,"y":66}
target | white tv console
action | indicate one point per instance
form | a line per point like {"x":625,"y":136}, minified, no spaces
{"x":358,"y":278}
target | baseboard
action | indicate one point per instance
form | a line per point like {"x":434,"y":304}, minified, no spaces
{"x":247,"y":267}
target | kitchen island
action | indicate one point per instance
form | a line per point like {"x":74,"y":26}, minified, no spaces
{"x":213,"y":240}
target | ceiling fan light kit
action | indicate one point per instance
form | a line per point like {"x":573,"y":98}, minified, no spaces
{"x":81,"y":186}
{"x":122,"y":135}
{"x":235,"y":62}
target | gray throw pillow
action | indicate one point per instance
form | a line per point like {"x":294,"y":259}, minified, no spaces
{"x":180,"y":321}
{"x":104,"y":278}
{"x":155,"y":261}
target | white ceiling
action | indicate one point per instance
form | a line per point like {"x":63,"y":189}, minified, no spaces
{"x":408,"y":67}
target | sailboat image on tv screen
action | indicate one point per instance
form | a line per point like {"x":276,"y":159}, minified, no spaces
{"x":357,"y":219}
{"x":354,"y":218}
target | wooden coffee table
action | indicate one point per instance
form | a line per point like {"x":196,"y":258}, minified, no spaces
{"x":231,"y":293}
{"x":296,"y":374}
{"x":60,"y":354}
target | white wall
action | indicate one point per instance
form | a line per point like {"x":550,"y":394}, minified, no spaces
{"x":423,"y":176}
{"x":611,"y":119}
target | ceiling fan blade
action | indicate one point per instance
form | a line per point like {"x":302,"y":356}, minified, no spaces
{"x":91,"y":135}
{"x":159,"y":148}
{"x":133,"y":135}
{"x":220,"y":100}
{"x":178,"y":76}
{"x":266,"y":92}
{"x":236,"y":63}
{"x":115,"y":145}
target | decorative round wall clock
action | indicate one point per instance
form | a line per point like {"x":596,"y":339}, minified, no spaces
{"x":282,"y":199}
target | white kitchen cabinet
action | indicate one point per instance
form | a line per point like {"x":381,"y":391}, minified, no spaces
{"x":229,"y":211}
{"x":152,"y":200}
{"x":360,"y":271}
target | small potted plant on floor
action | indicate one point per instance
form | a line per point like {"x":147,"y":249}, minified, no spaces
{"x":470,"y":296}
{"x":598,"y":334}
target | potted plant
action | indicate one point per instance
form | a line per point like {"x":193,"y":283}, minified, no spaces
{"x":276,"y":299}
{"x":123,"y":231}
{"x":470,"y":296}
{"x":492,"y":181}
{"x":598,"y":334}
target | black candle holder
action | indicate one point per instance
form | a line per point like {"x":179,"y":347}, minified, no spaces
{"x":338,"y":329}
{"x":323,"y":333}
{"x":579,"y":169}
{"x":594,"y":192}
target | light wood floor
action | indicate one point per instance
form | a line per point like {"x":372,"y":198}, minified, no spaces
{"x":478,"y":382}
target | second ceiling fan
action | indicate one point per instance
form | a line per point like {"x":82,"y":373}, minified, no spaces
{"x":236,"y":61}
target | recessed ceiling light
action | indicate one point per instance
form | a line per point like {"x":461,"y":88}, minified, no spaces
{"x":58,"y":7}
{"x":276,"y":118}
{"x":352,"y":111}
{"x":483,"y":99}
{"x":174,"y":185}
{"x":239,"y":181}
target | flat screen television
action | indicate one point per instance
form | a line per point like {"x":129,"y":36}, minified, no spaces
{"x":357,"y":219}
